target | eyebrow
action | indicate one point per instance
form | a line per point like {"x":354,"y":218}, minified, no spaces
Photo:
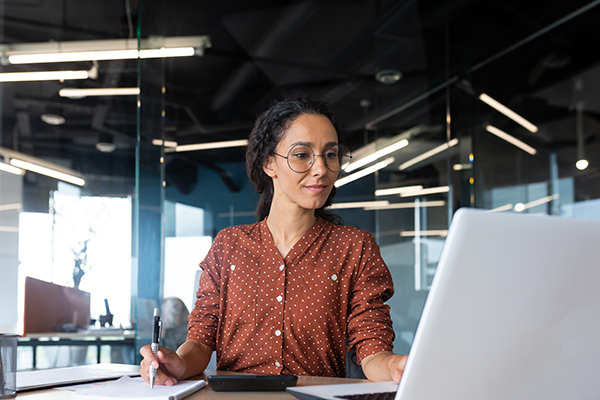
{"x":327,"y":145}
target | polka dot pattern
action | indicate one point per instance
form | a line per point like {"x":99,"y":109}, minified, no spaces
{"x":298,"y":315}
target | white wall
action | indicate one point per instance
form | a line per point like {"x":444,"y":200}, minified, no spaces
{"x":10,"y":199}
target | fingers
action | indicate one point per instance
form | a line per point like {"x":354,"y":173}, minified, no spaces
{"x":163,"y":356}
{"x":397,"y":367}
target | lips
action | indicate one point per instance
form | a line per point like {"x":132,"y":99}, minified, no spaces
{"x":316,"y":188}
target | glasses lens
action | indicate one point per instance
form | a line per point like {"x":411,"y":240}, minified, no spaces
{"x":337,"y":158}
{"x":300,"y":158}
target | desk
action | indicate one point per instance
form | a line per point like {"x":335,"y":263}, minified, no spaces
{"x":207,"y":393}
{"x":111,"y":338}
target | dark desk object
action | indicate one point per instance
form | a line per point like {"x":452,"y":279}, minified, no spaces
{"x":97,"y":337}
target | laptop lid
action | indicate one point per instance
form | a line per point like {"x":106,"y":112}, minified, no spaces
{"x":513,"y":312}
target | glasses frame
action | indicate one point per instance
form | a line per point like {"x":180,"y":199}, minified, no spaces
{"x":315,"y":155}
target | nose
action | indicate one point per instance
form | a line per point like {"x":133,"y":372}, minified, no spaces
{"x":319,"y":168}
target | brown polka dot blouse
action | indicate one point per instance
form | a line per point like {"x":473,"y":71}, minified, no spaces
{"x":265,"y":314}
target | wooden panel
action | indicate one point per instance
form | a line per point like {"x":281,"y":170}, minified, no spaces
{"x":49,"y":306}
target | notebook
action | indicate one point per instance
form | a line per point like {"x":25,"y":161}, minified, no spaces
{"x":513,"y":313}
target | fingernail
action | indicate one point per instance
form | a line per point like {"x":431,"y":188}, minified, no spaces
{"x":169,"y":383}
{"x":155,"y":364}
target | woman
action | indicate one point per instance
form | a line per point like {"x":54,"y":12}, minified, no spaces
{"x":294,"y":292}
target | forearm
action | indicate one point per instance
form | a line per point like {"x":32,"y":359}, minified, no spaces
{"x":384,"y":366}
{"x":195,"y":356}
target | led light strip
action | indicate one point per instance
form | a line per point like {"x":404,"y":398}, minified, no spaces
{"x":8,"y":207}
{"x":508,"y":112}
{"x":100,"y":55}
{"x":361,"y":174}
{"x":212,"y":145}
{"x":358,"y":204}
{"x":411,"y":204}
{"x":398,"y":190}
{"x":48,"y":172}
{"x":511,"y":139}
{"x":80,"y":93}
{"x":43,"y":76}
{"x":10,"y":169}
{"x":167,"y":143}
{"x":377,"y":155}
{"x":441,"y":232}
{"x":434,"y":190}
{"x":428,"y":154}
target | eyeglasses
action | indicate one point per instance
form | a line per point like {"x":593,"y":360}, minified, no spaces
{"x":301,"y":158}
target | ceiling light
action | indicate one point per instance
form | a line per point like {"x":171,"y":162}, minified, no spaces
{"x":361,"y":174}
{"x":521,"y":207}
{"x":81,"y":93}
{"x":582,"y":164}
{"x":97,"y":50}
{"x":508,"y":112}
{"x":377,"y":155}
{"x":106,"y":143}
{"x":412,"y":204}
{"x":428,"y":154}
{"x":388,"y":76}
{"x":167,"y":143}
{"x":441,"y":232}
{"x":10,"y":169}
{"x":212,"y":145}
{"x":43,"y":167}
{"x":434,"y":190}
{"x":369,"y":153}
{"x":9,"y":207}
{"x":53,"y":119}
{"x":505,"y":207}
{"x":48,"y":172}
{"x":43,"y":76}
{"x":511,"y":139}
{"x":397,"y":190}
{"x":358,"y":204}
{"x":460,"y":167}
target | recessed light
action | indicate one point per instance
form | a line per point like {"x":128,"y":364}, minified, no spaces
{"x":53,"y":119}
{"x":388,"y":76}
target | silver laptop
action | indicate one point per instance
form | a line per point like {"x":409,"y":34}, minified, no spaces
{"x":513,"y":313}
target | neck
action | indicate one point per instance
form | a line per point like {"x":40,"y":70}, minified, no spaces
{"x":288,"y":224}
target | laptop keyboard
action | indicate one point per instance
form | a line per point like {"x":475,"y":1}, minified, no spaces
{"x":370,"y":396}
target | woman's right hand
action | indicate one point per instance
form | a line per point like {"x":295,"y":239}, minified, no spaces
{"x":170,"y":367}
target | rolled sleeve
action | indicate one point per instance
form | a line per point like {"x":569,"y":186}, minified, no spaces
{"x":204,"y":318}
{"x":370,"y":328}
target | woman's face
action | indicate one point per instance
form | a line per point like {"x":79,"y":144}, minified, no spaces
{"x":310,"y":189}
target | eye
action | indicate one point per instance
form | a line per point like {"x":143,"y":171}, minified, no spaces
{"x":331,"y":154}
{"x":301,"y":155}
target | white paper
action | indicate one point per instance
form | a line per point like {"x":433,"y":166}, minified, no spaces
{"x":27,"y":380}
{"x":128,"y":388}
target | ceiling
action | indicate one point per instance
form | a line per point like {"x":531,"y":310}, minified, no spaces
{"x":331,"y":50}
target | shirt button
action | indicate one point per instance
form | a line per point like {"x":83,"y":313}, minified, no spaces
{"x":281,"y":267}
{"x":277,"y":332}
{"x":279,"y":298}
{"x":277,"y":364}
{"x":233,"y":267}
{"x":334,"y":277}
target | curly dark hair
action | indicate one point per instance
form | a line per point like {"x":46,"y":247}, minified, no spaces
{"x":264,"y":138}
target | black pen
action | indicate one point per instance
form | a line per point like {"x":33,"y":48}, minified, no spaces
{"x":156,"y":328}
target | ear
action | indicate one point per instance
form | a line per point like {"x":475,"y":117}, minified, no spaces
{"x":269,"y":167}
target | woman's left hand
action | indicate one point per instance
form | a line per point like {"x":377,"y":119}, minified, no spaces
{"x":384,"y":366}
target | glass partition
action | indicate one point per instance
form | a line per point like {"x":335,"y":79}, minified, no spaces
{"x":444,"y":105}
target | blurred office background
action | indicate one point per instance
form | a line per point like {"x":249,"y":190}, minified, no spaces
{"x":486,"y":104}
